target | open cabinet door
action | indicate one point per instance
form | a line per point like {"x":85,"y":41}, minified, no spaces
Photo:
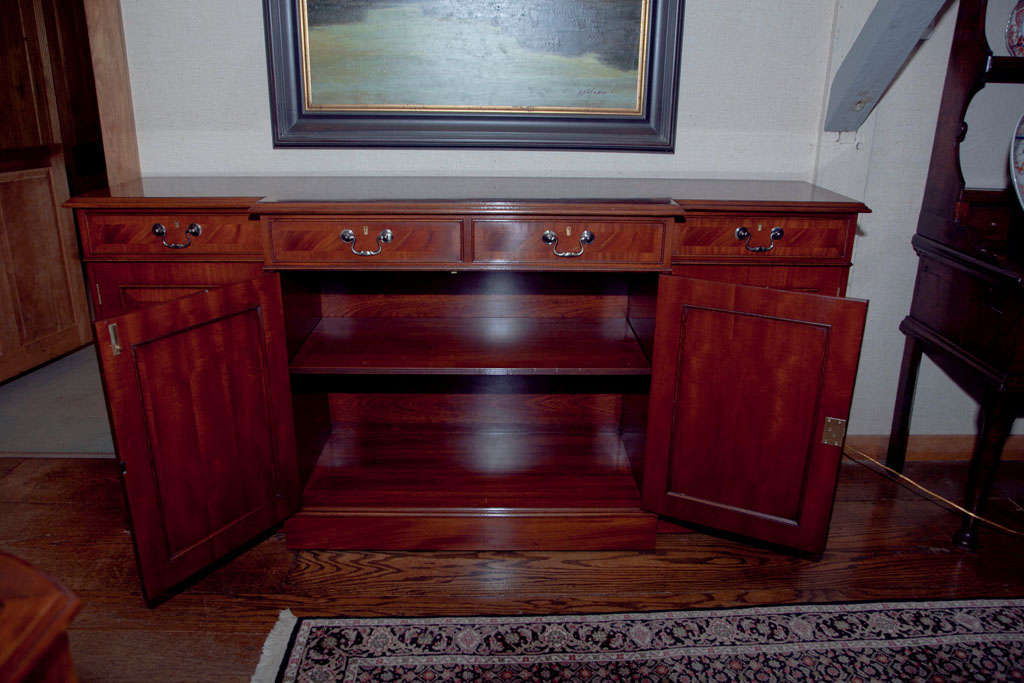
{"x":43,"y":309}
{"x":747,"y":387}
{"x":197,"y":390}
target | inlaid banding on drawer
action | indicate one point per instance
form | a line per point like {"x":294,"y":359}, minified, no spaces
{"x":750,"y":236}
{"x":572,"y":242}
{"x":364,"y":242}
{"x":183,"y":235}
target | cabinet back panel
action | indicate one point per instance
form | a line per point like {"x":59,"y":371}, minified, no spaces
{"x":469,"y":294}
{"x":474,"y":306}
{"x":571,"y":412}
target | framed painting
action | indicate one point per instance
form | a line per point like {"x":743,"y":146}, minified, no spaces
{"x":550,"y":74}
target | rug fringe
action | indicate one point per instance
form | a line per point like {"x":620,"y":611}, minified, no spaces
{"x":274,"y":648}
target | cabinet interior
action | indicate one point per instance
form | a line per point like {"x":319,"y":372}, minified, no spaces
{"x":470,"y":390}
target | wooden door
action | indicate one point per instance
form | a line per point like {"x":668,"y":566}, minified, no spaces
{"x":199,"y":402}
{"x":43,"y":309}
{"x":743,"y":381}
{"x":121,"y":286}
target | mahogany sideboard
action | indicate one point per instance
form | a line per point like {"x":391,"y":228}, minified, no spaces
{"x":474,"y":363}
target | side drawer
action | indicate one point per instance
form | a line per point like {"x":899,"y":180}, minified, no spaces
{"x":983,"y":317}
{"x":184,"y":235}
{"x":363,"y":242}
{"x":562,"y":242}
{"x":743,"y":236}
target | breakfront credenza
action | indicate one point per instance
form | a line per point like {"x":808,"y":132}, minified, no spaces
{"x":475,"y":363}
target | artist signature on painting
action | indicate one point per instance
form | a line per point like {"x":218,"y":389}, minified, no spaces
{"x":592,"y":91}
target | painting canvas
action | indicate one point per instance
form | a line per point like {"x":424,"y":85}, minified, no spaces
{"x":548,"y":74}
{"x":582,"y":56}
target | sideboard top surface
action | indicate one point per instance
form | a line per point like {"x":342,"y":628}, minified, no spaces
{"x":390,"y":194}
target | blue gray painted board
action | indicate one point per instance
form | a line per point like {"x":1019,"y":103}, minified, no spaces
{"x":888,"y":38}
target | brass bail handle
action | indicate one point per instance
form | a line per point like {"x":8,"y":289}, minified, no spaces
{"x":383,"y":237}
{"x":550,"y":237}
{"x":193,"y":230}
{"x":744,"y":234}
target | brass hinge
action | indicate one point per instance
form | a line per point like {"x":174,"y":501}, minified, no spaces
{"x":834,"y":432}
{"x":115,"y":340}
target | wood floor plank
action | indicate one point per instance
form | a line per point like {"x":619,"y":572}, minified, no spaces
{"x":861,"y":482}
{"x":94,"y":482}
{"x":66,"y":518}
{"x":185,"y":657}
{"x":7,"y":465}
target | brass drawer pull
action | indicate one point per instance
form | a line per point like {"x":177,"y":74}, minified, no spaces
{"x":549,"y":237}
{"x":193,"y":230}
{"x":744,"y":234}
{"x":349,"y":238}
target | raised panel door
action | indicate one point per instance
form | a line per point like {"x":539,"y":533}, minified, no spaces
{"x":743,"y":380}
{"x":200,"y":406}
{"x":43,"y":309}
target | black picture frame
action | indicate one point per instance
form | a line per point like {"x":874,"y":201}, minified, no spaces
{"x":651,"y":130}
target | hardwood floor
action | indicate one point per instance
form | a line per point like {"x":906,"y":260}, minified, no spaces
{"x":66,"y":517}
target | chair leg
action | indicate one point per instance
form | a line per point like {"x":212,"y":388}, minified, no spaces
{"x":995,"y":418}
{"x":900,"y":431}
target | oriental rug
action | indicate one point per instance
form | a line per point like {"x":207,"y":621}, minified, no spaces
{"x":911,"y":641}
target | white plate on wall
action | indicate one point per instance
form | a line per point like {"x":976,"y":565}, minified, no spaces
{"x":997,"y":17}
{"x":1015,"y":30}
{"x":991,"y":117}
{"x":1017,"y":160}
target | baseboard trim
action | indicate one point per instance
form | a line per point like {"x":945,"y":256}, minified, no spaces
{"x":940,"y":447}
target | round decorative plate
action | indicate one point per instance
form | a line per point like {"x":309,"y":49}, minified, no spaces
{"x":1017,"y":160}
{"x":1015,"y":31}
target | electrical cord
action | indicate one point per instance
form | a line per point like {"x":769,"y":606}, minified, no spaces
{"x":862,"y":458}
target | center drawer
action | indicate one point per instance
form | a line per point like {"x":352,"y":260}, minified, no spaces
{"x":364,"y":242}
{"x":570,"y":242}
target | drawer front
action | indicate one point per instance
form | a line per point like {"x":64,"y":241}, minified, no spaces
{"x":364,"y":243}
{"x":751,"y":236}
{"x":984,"y":318}
{"x":539,"y":242}
{"x":179,"y":235}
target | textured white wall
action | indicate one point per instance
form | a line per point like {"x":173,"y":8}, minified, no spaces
{"x":751,"y":89}
{"x":753,"y":92}
{"x":886,"y":164}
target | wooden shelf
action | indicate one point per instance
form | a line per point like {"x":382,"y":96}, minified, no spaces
{"x":472,"y":468}
{"x":471,"y":346}
{"x":480,"y":489}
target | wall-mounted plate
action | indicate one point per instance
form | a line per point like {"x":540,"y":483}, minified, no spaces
{"x":1015,"y":31}
{"x":1017,"y":160}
